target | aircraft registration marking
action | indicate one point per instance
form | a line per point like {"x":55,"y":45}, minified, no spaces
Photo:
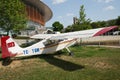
{"x":25,"y":51}
{"x":35,"y":50}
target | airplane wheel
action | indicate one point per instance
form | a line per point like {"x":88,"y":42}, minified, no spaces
{"x":6,"y":61}
{"x":71,"y":54}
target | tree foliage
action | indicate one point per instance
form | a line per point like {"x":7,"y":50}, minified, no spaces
{"x":82,"y":23}
{"x":99,"y":24}
{"x":82,"y":16}
{"x":57,"y":26}
{"x":12,"y":15}
{"x":107,"y":23}
{"x":118,"y":21}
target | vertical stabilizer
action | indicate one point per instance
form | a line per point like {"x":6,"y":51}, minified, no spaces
{"x":4,"y":45}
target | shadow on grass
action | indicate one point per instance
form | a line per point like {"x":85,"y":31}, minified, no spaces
{"x":6,"y":61}
{"x":0,"y":59}
{"x":65,"y":65}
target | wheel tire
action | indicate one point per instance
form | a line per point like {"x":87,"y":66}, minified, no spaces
{"x":71,"y":54}
{"x":6,"y":61}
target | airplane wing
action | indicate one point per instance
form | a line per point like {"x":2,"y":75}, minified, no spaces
{"x":76,"y":34}
{"x":42,"y":36}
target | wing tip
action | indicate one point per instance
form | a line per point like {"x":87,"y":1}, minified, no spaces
{"x":104,"y":30}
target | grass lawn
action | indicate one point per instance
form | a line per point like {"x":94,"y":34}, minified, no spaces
{"x":88,"y":63}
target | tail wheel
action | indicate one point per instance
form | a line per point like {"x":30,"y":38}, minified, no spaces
{"x":6,"y":61}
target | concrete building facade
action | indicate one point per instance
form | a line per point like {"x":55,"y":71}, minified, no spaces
{"x":38,"y":14}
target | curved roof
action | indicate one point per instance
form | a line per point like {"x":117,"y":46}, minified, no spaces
{"x":43,"y":8}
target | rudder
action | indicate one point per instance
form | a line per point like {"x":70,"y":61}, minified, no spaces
{"x":4,"y":46}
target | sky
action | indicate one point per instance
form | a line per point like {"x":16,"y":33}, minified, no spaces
{"x":96,"y":10}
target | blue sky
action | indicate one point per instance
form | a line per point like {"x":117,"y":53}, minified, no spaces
{"x":96,"y":10}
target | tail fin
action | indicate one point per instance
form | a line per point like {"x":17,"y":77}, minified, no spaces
{"x":9,"y":47}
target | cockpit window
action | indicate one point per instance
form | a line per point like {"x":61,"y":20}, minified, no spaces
{"x":51,"y":42}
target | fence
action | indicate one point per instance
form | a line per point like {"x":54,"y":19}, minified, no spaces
{"x":100,"y":40}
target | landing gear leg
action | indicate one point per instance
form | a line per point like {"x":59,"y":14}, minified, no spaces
{"x":6,"y":61}
{"x":70,"y":53}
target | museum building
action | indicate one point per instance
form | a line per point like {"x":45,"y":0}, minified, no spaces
{"x":38,"y":14}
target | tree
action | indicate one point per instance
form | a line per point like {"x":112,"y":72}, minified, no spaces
{"x":82,"y":23}
{"x":82,"y":14}
{"x":94,"y":25}
{"x":82,"y":18}
{"x":68,"y":28}
{"x":12,"y":15}
{"x":57,"y":26}
{"x":118,"y":21}
{"x":74,"y":27}
{"x":100,"y":24}
{"x":111,"y":22}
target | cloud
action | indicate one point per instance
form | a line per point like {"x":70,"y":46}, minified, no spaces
{"x":60,"y":17}
{"x":69,"y":14}
{"x":109,"y":8}
{"x":105,"y":1}
{"x":58,"y":1}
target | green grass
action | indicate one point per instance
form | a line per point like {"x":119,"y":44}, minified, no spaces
{"x":88,"y":63}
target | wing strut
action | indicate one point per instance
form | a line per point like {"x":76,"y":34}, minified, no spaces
{"x":70,"y":53}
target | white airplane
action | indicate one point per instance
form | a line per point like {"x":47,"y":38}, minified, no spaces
{"x":50,"y":43}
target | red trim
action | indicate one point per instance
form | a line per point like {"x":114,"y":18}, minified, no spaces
{"x":11,"y":44}
{"x":104,"y":30}
{"x":5,"y":52}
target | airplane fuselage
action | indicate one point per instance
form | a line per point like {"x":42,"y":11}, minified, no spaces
{"x":42,"y":47}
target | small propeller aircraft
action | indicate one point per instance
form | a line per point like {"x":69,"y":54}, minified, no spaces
{"x":50,"y":43}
